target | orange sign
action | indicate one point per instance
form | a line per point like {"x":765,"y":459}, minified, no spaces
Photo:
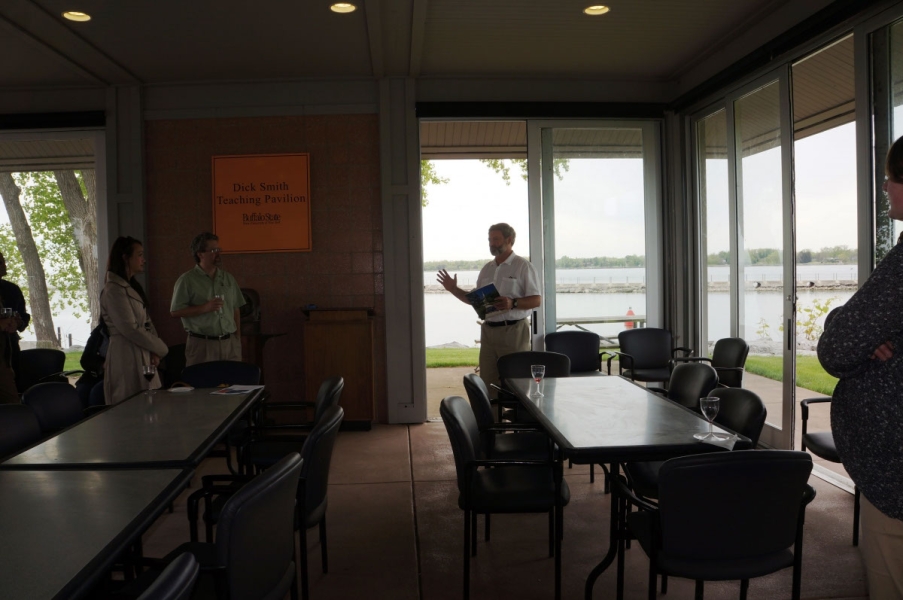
{"x":261,"y":202}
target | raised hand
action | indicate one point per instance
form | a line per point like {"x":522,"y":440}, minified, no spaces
{"x":447,"y":281}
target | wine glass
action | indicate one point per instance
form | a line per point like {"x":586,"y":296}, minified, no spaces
{"x":709,"y":407}
{"x":538,"y":372}
{"x":149,"y":372}
{"x":219,"y":297}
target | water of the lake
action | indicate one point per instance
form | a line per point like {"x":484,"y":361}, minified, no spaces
{"x":449,"y":320}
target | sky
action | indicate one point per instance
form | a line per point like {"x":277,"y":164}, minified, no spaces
{"x":599,"y":203}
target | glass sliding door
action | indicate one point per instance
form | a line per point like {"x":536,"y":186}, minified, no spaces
{"x":598,"y":189}
{"x":761,"y":229}
{"x":715,"y":228}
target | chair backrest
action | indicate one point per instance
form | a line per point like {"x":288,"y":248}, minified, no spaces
{"x":55,"y":404}
{"x":732,"y":505}
{"x":741,"y":411}
{"x":176,"y":582}
{"x":650,"y":347}
{"x":478,"y":394}
{"x":730,"y":353}
{"x":328,"y":395}
{"x":19,"y":428}
{"x":221,"y":372}
{"x":582,"y":347}
{"x":36,"y":364}
{"x":255,"y":537}
{"x":317,"y":456}
{"x":517,"y":364}
{"x":463,"y":433}
{"x":691,"y":381}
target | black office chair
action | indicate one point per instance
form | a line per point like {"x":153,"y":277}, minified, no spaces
{"x":723,"y":516}
{"x":582,"y":347}
{"x":56,"y":405}
{"x":507,"y":487}
{"x":312,"y":488}
{"x":503,"y":441}
{"x":728,"y":359}
{"x":646,"y":354}
{"x":821,"y":444}
{"x":176,"y":582}
{"x":40,"y":365}
{"x":253,"y":556}
{"x":19,"y":428}
{"x":742,"y":411}
{"x":517,"y":364}
{"x":688,"y":383}
{"x":270,"y":442}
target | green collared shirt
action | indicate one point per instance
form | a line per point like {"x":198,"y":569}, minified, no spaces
{"x":195,"y":287}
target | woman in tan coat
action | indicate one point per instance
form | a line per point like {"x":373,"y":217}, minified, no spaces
{"x":134,"y":342}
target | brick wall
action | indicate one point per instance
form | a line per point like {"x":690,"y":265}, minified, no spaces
{"x":345,"y":268}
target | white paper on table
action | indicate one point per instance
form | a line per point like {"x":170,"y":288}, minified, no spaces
{"x":237,"y":389}
{"x":727,"y":444}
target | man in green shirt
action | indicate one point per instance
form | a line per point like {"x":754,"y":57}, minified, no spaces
{"x":207,"y":300}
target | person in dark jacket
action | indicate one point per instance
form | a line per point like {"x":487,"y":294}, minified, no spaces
{"x":11,"y":297}
{"x":862,"y":345}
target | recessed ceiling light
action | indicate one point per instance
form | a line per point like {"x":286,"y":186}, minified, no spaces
{"x":74,"y":15}
{"x":343,"y":7}
{"x":596,"y":10}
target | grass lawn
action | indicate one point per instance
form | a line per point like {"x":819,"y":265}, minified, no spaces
{"x":809,"y":373}
{"x":72,"y":359}
{"x":452,"y":357}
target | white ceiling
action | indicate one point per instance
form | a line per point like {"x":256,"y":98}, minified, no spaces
{"x":174,"y":41}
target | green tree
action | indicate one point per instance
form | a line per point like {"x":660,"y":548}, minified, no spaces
{"x":804,"y":257}
{"x":60,"y":253}
{"x":502,"y":166}
{"x":428,"y":176}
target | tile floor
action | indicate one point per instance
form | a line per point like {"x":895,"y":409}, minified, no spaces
{"x":395,"y":532}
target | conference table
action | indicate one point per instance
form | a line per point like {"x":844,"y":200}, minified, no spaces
{"x":611,"y":420}
{"x":165,"y":430}
{"x":62,"y":530}
{"x":71,"y":504}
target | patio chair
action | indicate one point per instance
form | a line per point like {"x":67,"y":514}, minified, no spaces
{"x":821,"y":444}
{"x":646,"y":354}
{"x":728,"y":359}
{"x":581,"y":347}
{"x":724,"y":516}
{"x":513,"y":486}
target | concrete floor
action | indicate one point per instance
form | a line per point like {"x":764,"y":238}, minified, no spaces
{"x":395,"y":532}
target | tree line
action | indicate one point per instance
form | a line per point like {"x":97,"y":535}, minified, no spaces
{"x":756,"y":256}
{"x":841,"y":255}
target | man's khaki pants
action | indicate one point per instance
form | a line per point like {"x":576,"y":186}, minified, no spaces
{"x":882,"y":553}
{"x":199,"y":350}
{"x":496,"y":342}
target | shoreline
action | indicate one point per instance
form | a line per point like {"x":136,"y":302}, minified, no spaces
{"x":839,"y":285}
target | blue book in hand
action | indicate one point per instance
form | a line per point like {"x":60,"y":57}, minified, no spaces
{"x":482,"y":300}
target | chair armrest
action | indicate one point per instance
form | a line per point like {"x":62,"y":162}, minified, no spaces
{"x":692,"y":359}
{"x":611,"y":357}
{"x":211,"y":480}
{"x":622,"y":357}
{"x":620,"y":486}
{"x":515,"y":427}
{"x":804,"y":406}
{"x":674,"y":351}
{"x":508,"y":393}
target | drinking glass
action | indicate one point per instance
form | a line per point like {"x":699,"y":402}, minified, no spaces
{"x":219,"y":297}
{"x":149,"y":372}
{"x":709,"y":407}
{"x":538,"y":372}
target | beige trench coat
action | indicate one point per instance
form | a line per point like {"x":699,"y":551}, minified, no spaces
{"x":132,"y":339}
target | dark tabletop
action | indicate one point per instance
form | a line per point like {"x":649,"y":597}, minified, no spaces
{"x":61,"y":530}
{"x":610,"y":419}
{"x":166,"y":430}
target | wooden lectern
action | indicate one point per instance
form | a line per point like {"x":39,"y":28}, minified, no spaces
{"x":340,"y":342}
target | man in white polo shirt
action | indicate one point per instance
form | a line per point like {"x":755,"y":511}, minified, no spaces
{"x":505,"y":330}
